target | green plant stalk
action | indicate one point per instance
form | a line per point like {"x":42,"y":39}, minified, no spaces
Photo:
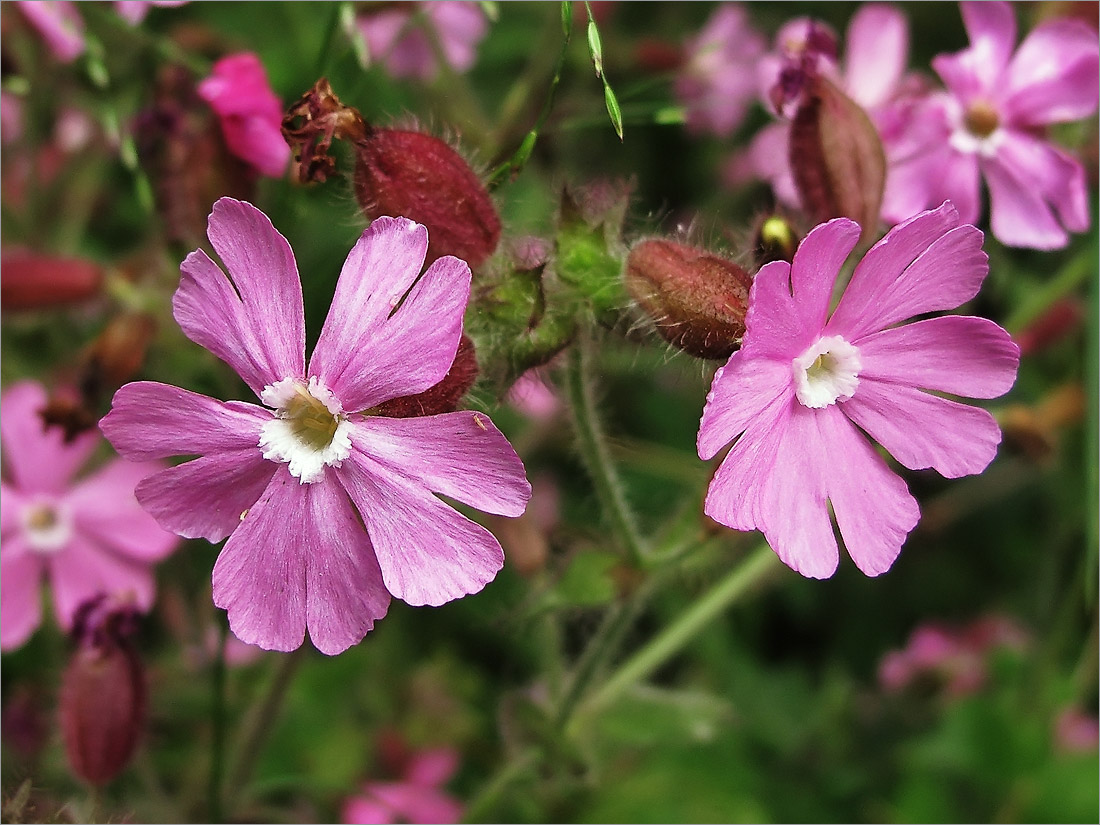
{"x":597,"y":457}
{"x":482,"y":805}
{"x":217,"y":720}
{"x":754,"y":569}
{"x":261,"y":722}
{"x":1068,"y":279}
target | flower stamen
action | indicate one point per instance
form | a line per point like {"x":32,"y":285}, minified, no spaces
{"x":827,"y":372}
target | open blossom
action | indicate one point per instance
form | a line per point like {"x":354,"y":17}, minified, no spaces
{"x":250,"y":113}
{"x":989,"y":125}
{"x":417,"y":797}
{"x":329,"y":510}
{"x":805,"y":382}
{"x":397,"y":36}
{"x":88,"y":538}
{"x":61,"y":26}
{"x":716,"y":83}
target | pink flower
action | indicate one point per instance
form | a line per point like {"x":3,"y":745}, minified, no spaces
{"x":328,"y":509}
{"x":989,"y":124}
{"x":250,"y":113}
{"x":134,"y":11}
{"x":60,"y":25}
{"x":796,"y":395}
{"x":88,"y":538}
{"x":404,"y":44}
{"x":1076,"y":731}
{"x":717,"y":83}
{"x":417,"y":798}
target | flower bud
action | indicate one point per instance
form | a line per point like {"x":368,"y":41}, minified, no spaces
{"x":34,"y":281}
{"x":445,"y":395}
{"x":698,"y":300}
{"x":102,"y":692}
{"x":836,"y":158}
{"x":398,"y":172}
{"x":775,"y":240}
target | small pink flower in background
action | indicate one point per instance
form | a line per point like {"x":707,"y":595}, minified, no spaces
{"x":134,"y":11}
{"x":534,"y":397}
{"x":1076,"y":731}
{"x":417,"y":797}
{"x":11,"y":117}
{"x":400,"y":36}
{"x":990,"y":122}
{"x":805,"y":385}
{"x":873,"y":75}
{"x":60,"y":25}
{"x":329,"y":510}
{"x":716,"y":83}
{"x":956,"y":658}
{"x":251,"y":115}
{"x":88,"y":538}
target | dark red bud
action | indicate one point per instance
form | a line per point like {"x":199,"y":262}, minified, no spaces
{"x":35,"y":281}
{"x":102,"y":693}
{"x":445,"y":395}
{"x":775,"y":240}
{"x":697,"y":300}
{"x":836,"y":158}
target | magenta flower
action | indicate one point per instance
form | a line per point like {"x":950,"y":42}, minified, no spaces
{"x":250,"y":113}
{"x":418,"y":797}
{"x":398,"y":36}
{"x":717,"y":82}
{"x":328,"y":509}
{"x":134,"y":11}
{"x":804,"y":383}
{"x":88,"y":538}
{"x":990,"y":122}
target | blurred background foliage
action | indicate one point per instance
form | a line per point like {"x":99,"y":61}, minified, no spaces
{"x":774,"y":712}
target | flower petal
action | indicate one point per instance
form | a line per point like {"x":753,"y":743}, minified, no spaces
{"x":428,"y":552}
{"x":83,"y":570}
{"x":20,"y":593}
{"x":344,"y":589}
{"x":815,"y":268}
{"x":871,"y":504}
{"x":743,"y":392}
{"x":260,"y":576}
{"x":151,"y":420}
{"x":1054,"y":75}
{"x":966,"y":356}
{"x":206,"y":498}
{"x":922,"y":430}
{"x":374,"y":346}
{"x":105,"y":509}
{"x":460,"y":455}
{"x":11,"y":504}
{"x":976,"y":70}
{"x":876,"y":54}
{"x":926,"y":264}
{"x":261,"y":332}
{"x":37,"y":457}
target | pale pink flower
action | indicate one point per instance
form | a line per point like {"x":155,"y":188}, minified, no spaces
{"x":328,"y":509}
{"x":134,"y":11}
{"x":60,"y":25}
{"x":87,"y":537}
{"x":251,"y":115}
{"x":716,"y":83}
{"x":418,"y":797}
{"x":990,"y":122}
{"x":1076,"y":731}
{"x":401,"y":36}
{"x":534,"y":397}
{"x":805,"y":382}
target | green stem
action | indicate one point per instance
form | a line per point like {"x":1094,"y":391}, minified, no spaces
{"x":597,"y":457}
{"x":261,"y":722}
{"x":217,"y":719}
{"x":1072,"y":275}
{"x":670,"y":641}
{"x":482,"y":805}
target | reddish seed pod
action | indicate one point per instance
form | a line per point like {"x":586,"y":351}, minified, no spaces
{"x":35,"y":281}
{"x":102,"y":693}
{"x":697,"y":300}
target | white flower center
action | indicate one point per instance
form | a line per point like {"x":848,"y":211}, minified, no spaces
{"x":977,"y":129}
{"x":309,"y":430}
{"x":47,"y":525}
{"x":827,"y":372}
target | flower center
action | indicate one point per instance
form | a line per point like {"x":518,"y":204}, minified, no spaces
{"x":309,"y":430}
{"x":47,"y":526}
{"x":827,"y":372}
{"x":981,"y":119}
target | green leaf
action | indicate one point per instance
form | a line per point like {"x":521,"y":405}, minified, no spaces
{"x":587,"y":580}
{"x":613,"y":109}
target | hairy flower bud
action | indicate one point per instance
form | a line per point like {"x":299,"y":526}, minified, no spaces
{"x":398,"y":172}
{"x":698,"y":300}
{"x":34,"y":281}
{"x":102,"y":692}
{"x":836,"y":158}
